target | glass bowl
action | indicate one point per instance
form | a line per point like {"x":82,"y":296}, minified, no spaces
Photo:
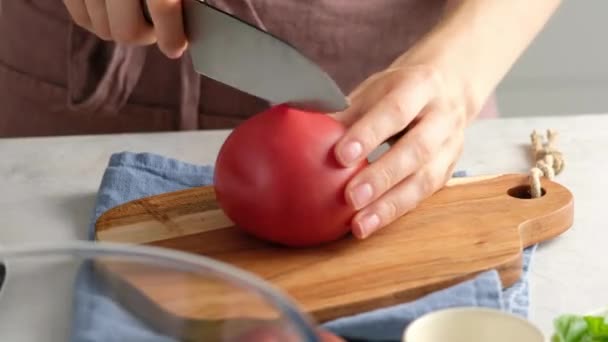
{"x":84,"y":291}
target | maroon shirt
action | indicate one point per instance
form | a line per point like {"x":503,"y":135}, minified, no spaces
{"x":56,"y":78}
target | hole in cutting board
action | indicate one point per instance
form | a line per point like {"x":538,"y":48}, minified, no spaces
{"x":523,"y":192}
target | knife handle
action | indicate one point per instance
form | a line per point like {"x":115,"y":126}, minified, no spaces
{"x":146,"y":11}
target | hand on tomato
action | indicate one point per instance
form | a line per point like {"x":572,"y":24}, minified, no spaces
{"x":426,"y":121}
{"x":123,"y":21}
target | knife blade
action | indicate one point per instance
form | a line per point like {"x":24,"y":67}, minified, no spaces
{"x":238,"y":54}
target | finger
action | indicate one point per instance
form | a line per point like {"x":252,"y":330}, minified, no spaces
{"x":376,"y":82}
{"x":405,"y":157}
{"x":99,"y":18}
{"x":390,"y":115}
{"x":127,"y":23}
{"x":373,"y":88}
{"x":78,"y":12}
{"x":348,"y":116}
{"x":169,"y":26}
{"x":406,"y":195}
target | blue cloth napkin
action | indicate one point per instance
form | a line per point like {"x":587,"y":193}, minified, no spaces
{"x":131,"y":176}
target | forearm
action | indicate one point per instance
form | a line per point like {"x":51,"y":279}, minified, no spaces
{"x":478,"y":41}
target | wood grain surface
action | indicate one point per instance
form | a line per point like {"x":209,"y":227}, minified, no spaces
{"x":471,"y":225}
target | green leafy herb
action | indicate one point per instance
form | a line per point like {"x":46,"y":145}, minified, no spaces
{"x":597,"y":326}
{"x":580,"y":328}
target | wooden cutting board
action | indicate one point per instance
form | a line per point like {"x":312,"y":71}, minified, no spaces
{"x":472,"y":225}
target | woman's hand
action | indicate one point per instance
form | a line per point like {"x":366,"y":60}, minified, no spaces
{"x":123,"y":21}
{"x":413,"y":106}
{"x":432,"y":91}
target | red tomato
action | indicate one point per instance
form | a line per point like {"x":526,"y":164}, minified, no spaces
{"x":277,"y":178}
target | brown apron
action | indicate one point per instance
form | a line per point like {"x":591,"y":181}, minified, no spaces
{"x":58,"y":79}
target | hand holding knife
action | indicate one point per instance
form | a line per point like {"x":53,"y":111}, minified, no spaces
{"x":238,"y":54}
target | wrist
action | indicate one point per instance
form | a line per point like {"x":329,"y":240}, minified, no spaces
{"x":477,"y":42}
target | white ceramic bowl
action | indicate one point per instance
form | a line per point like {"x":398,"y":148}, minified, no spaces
{"x":472,"y":325}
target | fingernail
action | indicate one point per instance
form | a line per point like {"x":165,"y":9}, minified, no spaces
{"x":368,"y":224}
{"x":361,"y":195}
{"x":351,"y":151}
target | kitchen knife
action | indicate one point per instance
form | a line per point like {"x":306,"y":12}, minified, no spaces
{"x":238,"y":54}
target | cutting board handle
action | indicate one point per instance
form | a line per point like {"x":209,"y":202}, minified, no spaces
{"x":538,"y":219}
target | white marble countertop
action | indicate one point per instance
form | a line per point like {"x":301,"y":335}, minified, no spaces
{"x":48,"y":187}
